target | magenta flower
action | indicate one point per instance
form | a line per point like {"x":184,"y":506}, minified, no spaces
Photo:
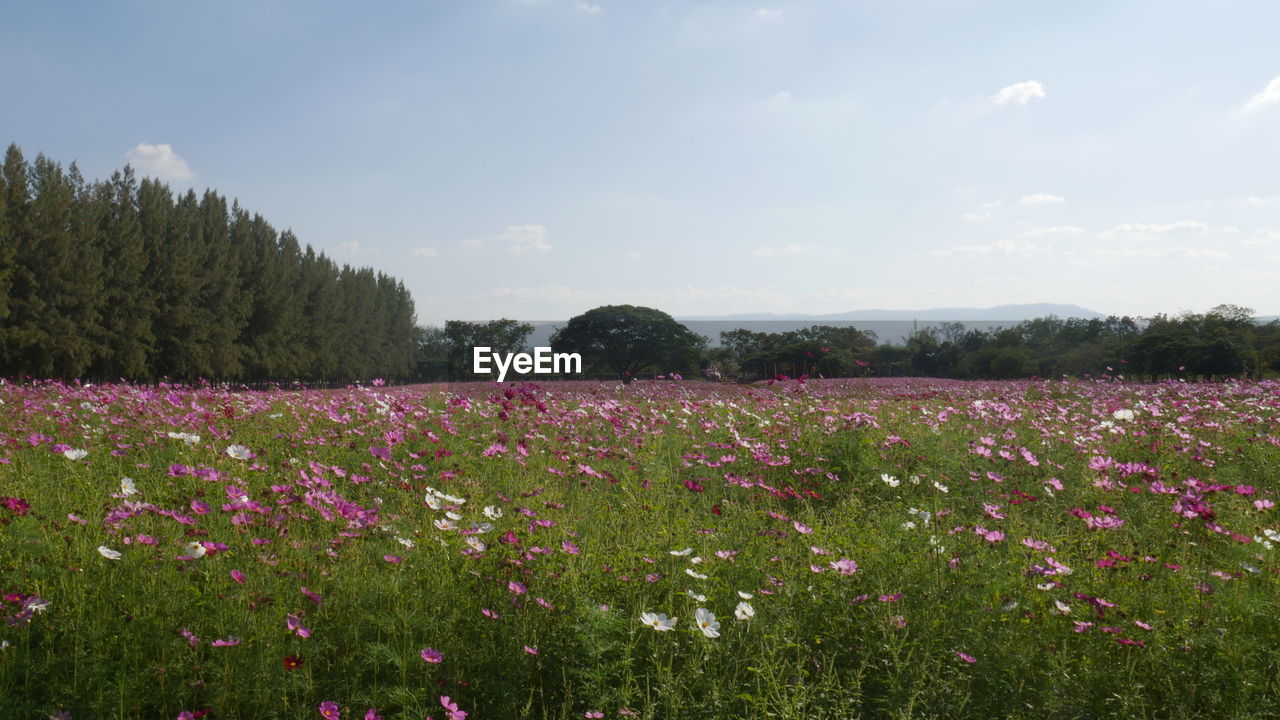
{"x":517,"y":588}
{"x":237,"y":576}
{"x":569,"y":548}
{"x":230,"y":641}
{"x":330,"y":710}
{"x":393,"y":559}
{"x":432,"y":655}
{"x":966,"y":657}
{"x":531,"y":650}
{"x":452,"y":708}
{"x":312,"y":596}
{"x":372,"y":714}
{"x":845,"y":566}
{"x":490,"y":614}
{"x":294,"y":624}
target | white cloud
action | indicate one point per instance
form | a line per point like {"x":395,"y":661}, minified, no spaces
{"x":991,"y":205}
{"x":975,"y":217}
{"x":1055,"y":230}
{"x":780,"y":99}
{"x":1270,"y":95}
{"x":768,"y":13}
{"x":1256,"y":200}
{"x":587,"y":7}
{"x":525,"y":238}
{"x":1020,"y":93}
{"x":1172,"y":251}
{"x":776,"y":250}
{"x":1042,"y":199}
{"x":1000,"y":247}
{"x":1147,"y":229}
{"x":473,"y":242}
{"x":159,"y":161}
{"x":633,"y":256}
{"x":428,"y":252}
{"x":351,"y":247}
{"x":1263,"y":236}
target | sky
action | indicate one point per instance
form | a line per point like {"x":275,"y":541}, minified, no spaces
{"x":534,"y":159}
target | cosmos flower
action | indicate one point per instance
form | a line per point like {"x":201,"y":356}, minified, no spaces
{"x":239,"y":452}
{"x":659,"y":622}
{"x":431,"y":655}
{"x":744,"y":611}
{"x":707,"y":622}
{"x":108,"y":553}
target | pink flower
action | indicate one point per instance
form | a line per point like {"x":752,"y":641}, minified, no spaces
{"x":531,"y":650}
{"x":490,"y":614}
{"x":230,"y":641}
{"x":393,"y":559}
{"x":330,"y":710}
{"x":801,"y":527}
{"x":452,"y":708}
{"x":966,"y":657}
{"x":593,"y":714}
{"x":569,"y":548}
{"x":237,"y":576}
{"x":432,"y":655}
{"x":845,"y":566}
{"x":294,"y":623}
{"x":516,"y":588}
{"x":372,"y":714}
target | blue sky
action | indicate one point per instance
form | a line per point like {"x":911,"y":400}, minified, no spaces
{"x":537,"y":158}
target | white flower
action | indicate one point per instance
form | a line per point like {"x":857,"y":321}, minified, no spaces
{"x":695,"y":560}
{"x":432,"y":502}
{"x":443,"y":524}
{"x":682,"y":553}
{"x":195,"y":550}
{"x":707,"y":622}
{"x":452,"y":499}
{"x":128,"y":487}
{"x":941,"y":488}
{"x":745,"y":595}
{"x":1046,"y":586}
{"x":890,"y":480}
{"x":452,"y":515}
{"x":493,"y":513}
{"x":696,"y":596}
{"x":75,"y":454}
{"x":482,"y":528}
{"x":1122,"y":414}
{"x":744,"y":611}
{"x":692,"y":574}
{"x":405,"y":542}
{"x":477,"y":544}
{"x":239,"y":452}
{"x":187,"y":438}
{"x":908,"y":525}
{"x":108,"y":553}
{"x":659,"y":622}
{"x":1061,"y":608}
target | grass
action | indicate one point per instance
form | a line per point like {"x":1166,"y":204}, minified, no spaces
{"x":1170,"y":614}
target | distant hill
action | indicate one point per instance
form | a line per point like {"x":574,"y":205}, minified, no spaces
{"x":999,"y":313}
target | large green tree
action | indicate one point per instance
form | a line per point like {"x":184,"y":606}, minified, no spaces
{"x":625,"y":340}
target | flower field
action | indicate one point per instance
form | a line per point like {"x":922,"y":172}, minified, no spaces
{"x":832,"y":549}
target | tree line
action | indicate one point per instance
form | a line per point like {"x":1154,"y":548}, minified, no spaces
{"x":124,"y":279}
{"x":623,"y":341}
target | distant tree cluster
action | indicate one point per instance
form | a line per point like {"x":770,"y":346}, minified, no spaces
{"x":1222,"y":343}
{"x":123,"y":279}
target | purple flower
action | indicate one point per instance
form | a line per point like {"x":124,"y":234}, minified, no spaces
{"x":330,"y":710}
{"x":432,"y":655}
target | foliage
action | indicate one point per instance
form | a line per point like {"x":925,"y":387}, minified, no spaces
{"x":121,"y":279}
{"x":625,"y":340}
{"x":884,"y":548}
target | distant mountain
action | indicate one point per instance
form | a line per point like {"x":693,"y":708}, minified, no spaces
{"x":1002,"y":313}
